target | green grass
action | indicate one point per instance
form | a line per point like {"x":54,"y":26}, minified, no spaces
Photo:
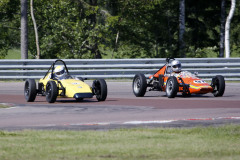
{"x":4,"y":105}
{"x":207,"y":53}
{"x":222,"y":143}
{"x":14,"y":54}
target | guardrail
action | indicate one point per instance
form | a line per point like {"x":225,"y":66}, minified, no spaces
{"x":119,"y":68}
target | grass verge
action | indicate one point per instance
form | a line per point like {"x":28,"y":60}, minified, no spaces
{"x":221,"y":143}
{"x":4,"y":105}
{"x":14,"y":54}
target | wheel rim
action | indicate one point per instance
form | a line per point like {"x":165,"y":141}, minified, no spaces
{"x":216,"y":87}
{"x":27,"y":89}
{"x":169,"y":86}
{"x":137,"y":85}
{"x":97,"y":90}
{"x":49,"y":90}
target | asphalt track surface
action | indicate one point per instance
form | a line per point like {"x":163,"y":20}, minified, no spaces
{"x":120,"y":110}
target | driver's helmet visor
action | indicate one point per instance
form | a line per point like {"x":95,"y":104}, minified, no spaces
{"x":60,"y":73}
{"x":177,"y":66}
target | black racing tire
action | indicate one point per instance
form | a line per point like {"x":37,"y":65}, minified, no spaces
{"x":218,"y":84}
{"x":79,"y":99}
{"x":51,"y":91}
{"x":30,"y":90}
{"x":100,"y":89}
{"x":172,"y":87}
{"x":139,"y":85}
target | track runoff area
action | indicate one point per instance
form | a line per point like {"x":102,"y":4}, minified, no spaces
{"x":120,"y":110}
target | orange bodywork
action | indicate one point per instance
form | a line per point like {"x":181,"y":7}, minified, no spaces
{"x":161,"y":71}
{"x":185,"y":78}
{"x":196,"y":85}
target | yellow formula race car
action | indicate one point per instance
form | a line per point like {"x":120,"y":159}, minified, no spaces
{"x":58,"y":83}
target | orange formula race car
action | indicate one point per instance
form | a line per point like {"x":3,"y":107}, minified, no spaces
{"x":171,"y":79}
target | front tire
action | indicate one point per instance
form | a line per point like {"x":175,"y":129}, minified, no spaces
{"x":51,"y":91}
{"x":100,"y":89}
{"x":139,"y":85}
{"x":172,"y":87}
{"x":30,"y":91}
{"x":218,"y":84}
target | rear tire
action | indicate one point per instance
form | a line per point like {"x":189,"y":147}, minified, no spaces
{"x":79,"y":99}
{"x":100,"y":89}
{"x":218,"y":84}
{"x":30,"y":91}
{"x":172,"y":87}
{"x":51,"y":91}
{"x":139,"y":85}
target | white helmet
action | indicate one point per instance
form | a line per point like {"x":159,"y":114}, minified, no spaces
{"x":176,"y":66}
{"x":59,"y":71}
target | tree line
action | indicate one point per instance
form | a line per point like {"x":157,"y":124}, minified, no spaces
{"x":119,"y":28}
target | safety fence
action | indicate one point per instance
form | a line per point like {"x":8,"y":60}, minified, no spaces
{"x":119,"y":68}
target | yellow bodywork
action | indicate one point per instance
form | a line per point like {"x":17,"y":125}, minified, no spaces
{"x":72,"y":87}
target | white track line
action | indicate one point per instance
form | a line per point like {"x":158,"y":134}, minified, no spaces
{"x":138,"y":122}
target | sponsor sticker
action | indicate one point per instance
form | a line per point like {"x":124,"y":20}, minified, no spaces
{"x":199,"y":81}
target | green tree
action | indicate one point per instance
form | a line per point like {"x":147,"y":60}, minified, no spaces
{"x":203,"y":27}
{"x":121,"y":28}
{"x":9,"y":25}
{"x":68,"y":29}
{"x":146,"y":28}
